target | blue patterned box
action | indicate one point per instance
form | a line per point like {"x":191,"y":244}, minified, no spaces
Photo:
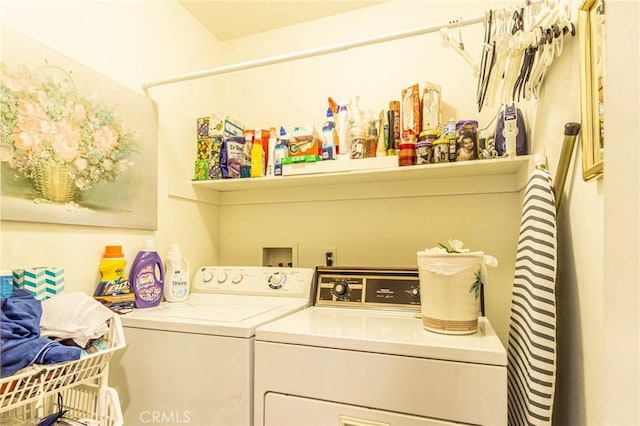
{"x":54,"y":281}
{"x":18,"y":278}
{"x":43,"y":282}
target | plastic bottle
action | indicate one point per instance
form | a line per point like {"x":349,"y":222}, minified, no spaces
{"x":273,"y":141}
{"x":177,"y":286}
{"x":257,"y":155}
{"x":358,"y":140}
{"x":114,"y":290}
{"x":371,"y":142}
{"x":147,"y":276}
{"x":280,"y":152}
{"x":344,"y":131}
{"x":381,"y":146}
{"x":329,"y":137}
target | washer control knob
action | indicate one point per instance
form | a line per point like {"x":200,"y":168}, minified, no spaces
{"x":207,"y":276}
{"x":415,"y":292}
{"x":236,"y":278}
{"x":222,"y":277}
{"x":276,"y":280}
{"x":340,"y":289}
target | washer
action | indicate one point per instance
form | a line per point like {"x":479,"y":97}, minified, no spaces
{"x":192,"y":362}
{"x":366,"y":360}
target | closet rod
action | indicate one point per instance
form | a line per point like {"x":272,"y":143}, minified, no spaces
{"x":312,"y":52}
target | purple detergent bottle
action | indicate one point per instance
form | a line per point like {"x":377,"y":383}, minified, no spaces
{"x":147,"y":276}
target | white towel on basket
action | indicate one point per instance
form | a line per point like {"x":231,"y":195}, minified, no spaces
{"x":532,"y":330}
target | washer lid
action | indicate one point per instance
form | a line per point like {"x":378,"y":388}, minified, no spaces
{"x":214,"y":314}
{"x":386,"y":332}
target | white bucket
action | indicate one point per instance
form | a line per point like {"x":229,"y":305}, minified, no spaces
{"x":450,"y":286}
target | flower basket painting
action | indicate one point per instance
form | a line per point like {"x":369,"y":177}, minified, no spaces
{"x":75,"y":147}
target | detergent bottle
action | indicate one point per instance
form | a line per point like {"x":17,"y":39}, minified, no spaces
{"x":114,"y":290}
{"x":329,"y":137}
{"x":147,"y":276}
{"x":176,"y":286}
{"x":257,"y":155}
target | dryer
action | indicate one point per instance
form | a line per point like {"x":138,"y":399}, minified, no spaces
{"x":192,"y":362}
{"x":361,"y":357}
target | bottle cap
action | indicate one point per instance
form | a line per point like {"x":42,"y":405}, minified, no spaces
{"x":148,"y":245}
{"x":329,"y":113}
{"x":174,"y":249}
{"x":112,"y":251}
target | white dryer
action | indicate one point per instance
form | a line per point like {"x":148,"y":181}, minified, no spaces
{"x":192,"y":362}
{"x":360,"y":357}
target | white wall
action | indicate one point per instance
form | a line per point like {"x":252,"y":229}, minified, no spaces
{"x":129,"y":42}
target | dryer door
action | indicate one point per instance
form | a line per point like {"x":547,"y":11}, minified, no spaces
{"x":288,"y":410}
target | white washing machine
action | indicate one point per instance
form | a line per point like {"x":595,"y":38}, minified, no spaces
{"x":192,"y":362}
{"x":361,"y":357}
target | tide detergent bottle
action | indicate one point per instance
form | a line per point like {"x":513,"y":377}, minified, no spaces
{"x":114,"y":290}
{"x":147,"y":276}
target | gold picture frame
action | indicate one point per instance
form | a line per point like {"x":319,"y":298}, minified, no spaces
{"x":591,"y":34}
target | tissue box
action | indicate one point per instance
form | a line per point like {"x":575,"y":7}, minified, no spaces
{"x":203,"y":147}
{"x":42,"y":282}
{"x":18,"y":278}
{"x":201,"y":171}
{"x":220,"y":123}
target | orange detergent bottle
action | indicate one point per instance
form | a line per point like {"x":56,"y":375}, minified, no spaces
{"x":114,"y":290}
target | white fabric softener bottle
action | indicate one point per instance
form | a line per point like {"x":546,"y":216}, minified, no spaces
{"x":177,"y":285}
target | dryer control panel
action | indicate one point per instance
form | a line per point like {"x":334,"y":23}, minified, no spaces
{"x":254,"y":280}
{"x":397,"y":288}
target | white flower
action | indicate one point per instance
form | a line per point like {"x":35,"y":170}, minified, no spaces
{"x":436,"y":250}
{"x":81,"y":163}
{"x":457,"y":246}
{"x":107,"y":165}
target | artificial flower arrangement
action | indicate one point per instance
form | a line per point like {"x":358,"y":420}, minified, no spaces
{"x":457,"y":247}
{"x":44,"y":121}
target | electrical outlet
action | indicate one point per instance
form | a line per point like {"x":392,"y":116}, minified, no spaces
{"x":330,"y":256}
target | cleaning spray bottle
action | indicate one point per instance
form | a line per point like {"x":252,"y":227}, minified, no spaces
{"x":329,"y":137}
{"x":280,"y":152}
{"x":147,"y":276}
{"x":177,"y":286}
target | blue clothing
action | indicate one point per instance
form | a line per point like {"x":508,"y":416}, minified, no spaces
{"x":20,"y":341}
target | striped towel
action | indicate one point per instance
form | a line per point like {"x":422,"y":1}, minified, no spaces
{"x":532,"y":329}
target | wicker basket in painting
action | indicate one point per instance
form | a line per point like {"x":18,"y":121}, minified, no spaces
{"x":53,"y":182}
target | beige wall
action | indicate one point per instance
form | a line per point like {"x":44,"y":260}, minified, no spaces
{"x":621,"y":219}
{"x":133,"y":42}
{"x":351,"y":226}
{"x":129,"y":42}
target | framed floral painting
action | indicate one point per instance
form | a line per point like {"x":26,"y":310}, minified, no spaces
{"x":75,"y":147}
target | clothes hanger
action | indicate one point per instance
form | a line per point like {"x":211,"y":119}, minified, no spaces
{"x":458,"y":46}
{"x":483,"y":79}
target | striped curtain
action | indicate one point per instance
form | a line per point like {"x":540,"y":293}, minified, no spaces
{"x":532,"y":329}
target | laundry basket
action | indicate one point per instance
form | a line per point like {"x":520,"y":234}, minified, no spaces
{"x":91,"y":404}
{"x":36,"y":383}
